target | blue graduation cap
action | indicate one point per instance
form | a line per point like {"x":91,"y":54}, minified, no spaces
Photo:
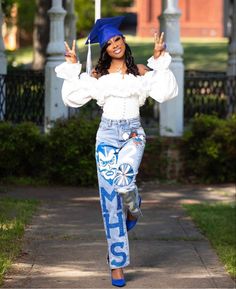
{"x":103,"y":30}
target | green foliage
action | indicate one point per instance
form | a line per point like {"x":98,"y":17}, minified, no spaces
{"x":209,"y":149}
{"x":154,"y":163}
{"x":14,"y":215}
{"x":26,"y":15}
{"x":71,"y":151}
{"x":7,"y":6}
{"x":7,"y":149}
{"x":21,"y":149}
{"x":85,"y":16}
{"x":26,"y":12}
{"x":217,"y":222}
{"x":85,"y":11}
{"x":141,"y":50}
{"x":207,"y":152}
{"x":65,"y":155}
{"x":19,"y":58}
{"x":207,"y":56}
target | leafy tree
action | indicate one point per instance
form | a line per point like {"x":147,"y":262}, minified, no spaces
{"x":25,"y":17}
{"x":41,"y":33}
{"x":33,"y":23}
{"x":7,"y":5}
{"x":33,"y":20}
{"x":85,"y":12}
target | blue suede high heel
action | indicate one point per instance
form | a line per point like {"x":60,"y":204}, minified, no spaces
{"x":131,"y":223}
{"x":118,"y":282}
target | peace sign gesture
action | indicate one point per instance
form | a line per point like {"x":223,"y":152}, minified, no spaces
{"x":160,"y":46}
{"x":70,"y":54}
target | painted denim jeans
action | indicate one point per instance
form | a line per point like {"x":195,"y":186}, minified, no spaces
{"x":119,"y":150}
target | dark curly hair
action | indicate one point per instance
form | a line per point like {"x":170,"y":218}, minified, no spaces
{"x":104,"y":62}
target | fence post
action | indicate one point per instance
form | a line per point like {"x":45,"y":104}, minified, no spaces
{"x":54,"y":107}
{"x":231,"y":71}
{"x":232,"y":44}
{"x":171,"y":112}
{"x":3,"y":68}
{"x":3,"y":60}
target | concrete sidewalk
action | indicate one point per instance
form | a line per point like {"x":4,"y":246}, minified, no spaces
{"x":65,"y":245}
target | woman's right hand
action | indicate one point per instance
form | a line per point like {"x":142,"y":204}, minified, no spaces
{"x":70,"y":54}
{"x":160,"y":46}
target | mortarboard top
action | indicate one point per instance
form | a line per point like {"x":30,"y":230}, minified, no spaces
{"x":104,"y":29}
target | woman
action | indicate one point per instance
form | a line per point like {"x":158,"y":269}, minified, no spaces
{"x":120,"y":87}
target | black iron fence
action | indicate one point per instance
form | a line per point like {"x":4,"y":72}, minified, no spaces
{"x":22,"y":96}
{"x":208,"y":93}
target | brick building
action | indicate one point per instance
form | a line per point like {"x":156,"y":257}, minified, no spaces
{"x":200,"y":18}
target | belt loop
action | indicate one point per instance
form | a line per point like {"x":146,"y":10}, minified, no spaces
{"x":110,"y":123}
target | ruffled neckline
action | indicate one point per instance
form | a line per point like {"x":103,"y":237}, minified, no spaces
{"x":119,"y":75}
{"x":115,"y":85}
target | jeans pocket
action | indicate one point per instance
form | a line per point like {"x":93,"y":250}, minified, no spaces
{"x":135,"y":125}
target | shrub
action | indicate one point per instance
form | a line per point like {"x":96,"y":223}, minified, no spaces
{"x":8,"y":159}
{"x":21,"y":150}
{"x":206,"y":153}
{"x":209,"y":149}
{"x":153,"y":161}
{"x":71,"y":150}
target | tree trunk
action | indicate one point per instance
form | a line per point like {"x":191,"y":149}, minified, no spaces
{"x":41,"y":33}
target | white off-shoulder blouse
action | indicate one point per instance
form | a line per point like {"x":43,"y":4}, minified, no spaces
{"x":120,"y":96}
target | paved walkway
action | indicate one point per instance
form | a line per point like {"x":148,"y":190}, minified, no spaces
{"x":65,"y":247}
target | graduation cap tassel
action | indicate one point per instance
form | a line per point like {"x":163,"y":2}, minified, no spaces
{"x":89,"y":59}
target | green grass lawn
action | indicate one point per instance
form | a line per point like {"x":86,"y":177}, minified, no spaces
{"x":14,"y":215}
{"x":198,"y":54}
{"x":201,"y":54}
{"x":210,"y":56}
{"x":20,"y":57}
{"x":218,"y":223}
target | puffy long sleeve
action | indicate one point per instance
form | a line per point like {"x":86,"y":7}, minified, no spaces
{"x":160,"y":83}
{"x":77,"y":88}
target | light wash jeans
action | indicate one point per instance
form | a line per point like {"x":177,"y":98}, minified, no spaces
{"x":119,"y":150}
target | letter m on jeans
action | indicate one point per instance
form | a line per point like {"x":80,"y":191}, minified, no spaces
{"x":105,"y":195}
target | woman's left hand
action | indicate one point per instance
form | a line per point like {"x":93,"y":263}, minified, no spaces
{"x":160,"y":46}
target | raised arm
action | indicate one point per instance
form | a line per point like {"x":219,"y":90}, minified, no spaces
{"x":77,"y":88}
{"x":160,"y":83}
